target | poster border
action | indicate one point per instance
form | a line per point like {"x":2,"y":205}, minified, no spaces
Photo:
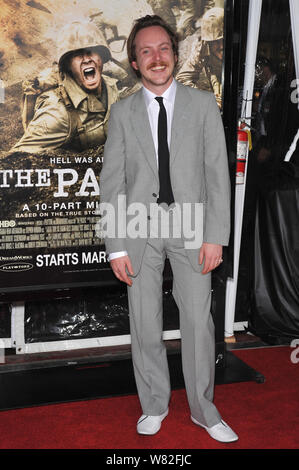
{"x":50,"y":289}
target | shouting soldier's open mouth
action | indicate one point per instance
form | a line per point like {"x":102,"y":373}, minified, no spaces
{"x":91,"y":76}
{"x":89,"y":73}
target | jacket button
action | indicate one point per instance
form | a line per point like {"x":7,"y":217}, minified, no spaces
{"x":149,"y":217}
{"x":154,"y":194}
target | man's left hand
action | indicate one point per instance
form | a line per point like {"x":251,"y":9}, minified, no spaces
{"x":211,"y":255}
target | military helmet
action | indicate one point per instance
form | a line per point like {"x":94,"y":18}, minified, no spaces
{"x":212,"y":24}
{"x":81,"y":35}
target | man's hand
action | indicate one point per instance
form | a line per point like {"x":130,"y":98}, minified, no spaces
{"x":211,"y":255}
{"x":122,"y":267}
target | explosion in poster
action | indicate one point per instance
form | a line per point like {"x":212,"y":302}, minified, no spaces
{"x":54,"y":123}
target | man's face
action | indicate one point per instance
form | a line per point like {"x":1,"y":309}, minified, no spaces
{"x":155,"y":58}
{"x":86,"y":67}
{"x":262,"y":74}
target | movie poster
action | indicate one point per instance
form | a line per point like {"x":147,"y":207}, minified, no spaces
{"x":54,"y":122}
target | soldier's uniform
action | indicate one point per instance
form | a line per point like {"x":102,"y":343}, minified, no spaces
{"x":192,"y":10}
{"x":80,"y":126}
{"x":163,"y":8}
{"x":66,"y":115}
{"x":203,"y":69}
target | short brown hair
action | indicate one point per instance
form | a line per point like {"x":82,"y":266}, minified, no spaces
{"x":146,"y":22}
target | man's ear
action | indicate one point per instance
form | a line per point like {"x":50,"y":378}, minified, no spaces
{"x":134,"y":65}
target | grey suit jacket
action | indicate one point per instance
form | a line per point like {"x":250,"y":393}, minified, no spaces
{"x":198,"y":165}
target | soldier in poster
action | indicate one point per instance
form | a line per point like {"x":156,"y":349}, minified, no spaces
{"x":203,"y":68}
{"x":192,"y":11}
{"x":28,"y":50}
{"x":71,"y":104}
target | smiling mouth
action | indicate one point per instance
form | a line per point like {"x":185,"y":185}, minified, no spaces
{"x":157,"y":67}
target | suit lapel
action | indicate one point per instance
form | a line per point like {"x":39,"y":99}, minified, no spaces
{"x":181,"y":116}
{"x":142,"y":129}
{"x":141,"y":126}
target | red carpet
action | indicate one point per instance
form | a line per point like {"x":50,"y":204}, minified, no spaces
{"x":266,"y":416}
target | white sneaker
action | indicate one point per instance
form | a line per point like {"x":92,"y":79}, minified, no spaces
{"x":220,"y":431}
{"x":150,"y":425}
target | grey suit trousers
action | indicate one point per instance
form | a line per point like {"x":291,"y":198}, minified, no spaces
{"x":192,"y":293}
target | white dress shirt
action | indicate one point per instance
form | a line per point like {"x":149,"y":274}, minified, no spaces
{"x":153,"y":109}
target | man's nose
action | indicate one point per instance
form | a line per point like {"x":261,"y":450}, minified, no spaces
{"x":157,"y":55}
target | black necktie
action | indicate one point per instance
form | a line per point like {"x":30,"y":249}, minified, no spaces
{"x":165,"y":193}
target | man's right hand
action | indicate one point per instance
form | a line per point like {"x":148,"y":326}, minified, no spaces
{"x":122,"y":267}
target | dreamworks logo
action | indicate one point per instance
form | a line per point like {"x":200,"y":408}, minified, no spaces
{"x":295,"y":353}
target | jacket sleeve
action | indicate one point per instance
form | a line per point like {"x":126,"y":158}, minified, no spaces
{"x":113,"y":186}
{"x":217,"y":210}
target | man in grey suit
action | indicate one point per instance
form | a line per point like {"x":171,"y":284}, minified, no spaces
{"x":165,"y":152}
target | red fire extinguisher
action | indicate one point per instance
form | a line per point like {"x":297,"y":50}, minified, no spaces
{"x":242,"y":152}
